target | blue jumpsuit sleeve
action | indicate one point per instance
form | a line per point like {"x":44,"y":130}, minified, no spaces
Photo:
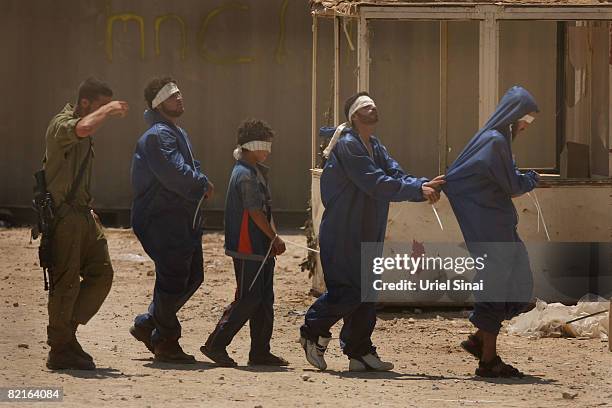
{"x":170,"y":167}
{"x":372,"y":180}
{"x":394,"y":169}
{"x":504,"y":172}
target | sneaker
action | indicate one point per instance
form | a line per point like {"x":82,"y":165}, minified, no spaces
{"x":268,"y":360}
{"x":66,"y":359}
{"x":144,"y":335}
{"x":315,"y":352}
{"x":170,"y":351}
{"x":220,"y":357}
{"x":369,"y":362}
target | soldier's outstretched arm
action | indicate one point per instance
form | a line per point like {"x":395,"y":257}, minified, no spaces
{"x":92,"y":122}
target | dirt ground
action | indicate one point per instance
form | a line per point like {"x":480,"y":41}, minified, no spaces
{"x":431,"y":369}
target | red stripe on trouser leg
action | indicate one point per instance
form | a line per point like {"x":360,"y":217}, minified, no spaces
{"x":244,"y":242}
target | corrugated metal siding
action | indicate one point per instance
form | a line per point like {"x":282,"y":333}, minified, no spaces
{"x":49,"y":47}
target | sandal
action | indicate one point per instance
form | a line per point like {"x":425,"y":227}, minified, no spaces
{"x":473,"y":346}
{"x":496,"y":368}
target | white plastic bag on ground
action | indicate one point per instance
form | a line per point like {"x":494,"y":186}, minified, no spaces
{"x":548,"y":320}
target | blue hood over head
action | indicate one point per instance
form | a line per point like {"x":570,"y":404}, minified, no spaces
{"x":481,"y":182}
{"x":516,"y":103}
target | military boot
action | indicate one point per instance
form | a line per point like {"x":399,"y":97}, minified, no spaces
{"x":65,"y":358}
{"x":76,"y":347}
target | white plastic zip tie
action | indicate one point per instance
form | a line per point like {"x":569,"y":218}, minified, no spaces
{"x":433,"y":207}
{"x":536,"y":202}
{"x":268,"y":255}
{"x":301,"y":246}
{"x":262,"y":265}
{"x":197,"y":211}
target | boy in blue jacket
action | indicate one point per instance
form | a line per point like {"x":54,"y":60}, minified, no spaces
{"x":251,"y":240}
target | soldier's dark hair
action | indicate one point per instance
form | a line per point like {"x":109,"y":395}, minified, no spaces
{"x":92,"y":88}
{"x":253,"y":129}
{"x":350,"y":101}
{"x":154,"y":86}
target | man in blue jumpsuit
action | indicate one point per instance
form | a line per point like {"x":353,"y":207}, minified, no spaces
{"x":169,"y":188}
{"x":480,"y":186}
{"x":359,"y":181}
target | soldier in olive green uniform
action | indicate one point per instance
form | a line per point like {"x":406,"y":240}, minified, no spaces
{"x":82,"y":272}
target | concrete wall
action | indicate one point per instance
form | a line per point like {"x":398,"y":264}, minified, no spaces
{"x":250,"y":58}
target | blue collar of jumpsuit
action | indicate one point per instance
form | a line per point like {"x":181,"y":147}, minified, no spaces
{"x":260,"y":167}
{"x":372,"y":138}
{"x":327,"y":133}
{"x":152,"y":116}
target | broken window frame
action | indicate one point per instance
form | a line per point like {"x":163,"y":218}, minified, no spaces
{"x":489,"y":18}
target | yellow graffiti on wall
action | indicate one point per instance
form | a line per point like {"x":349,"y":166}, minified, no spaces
{"x":125,"y":17}
{"x":281,"y":50}
{"x":279,"y":54}
{"x":159,"y":20}
{"x":207,"y":55}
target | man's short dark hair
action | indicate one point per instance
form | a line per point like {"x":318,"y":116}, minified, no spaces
{"x":350,"y":101}
{"x":253,"y":129}
{"x":154,"y":86}
{"x":92,"y":88}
